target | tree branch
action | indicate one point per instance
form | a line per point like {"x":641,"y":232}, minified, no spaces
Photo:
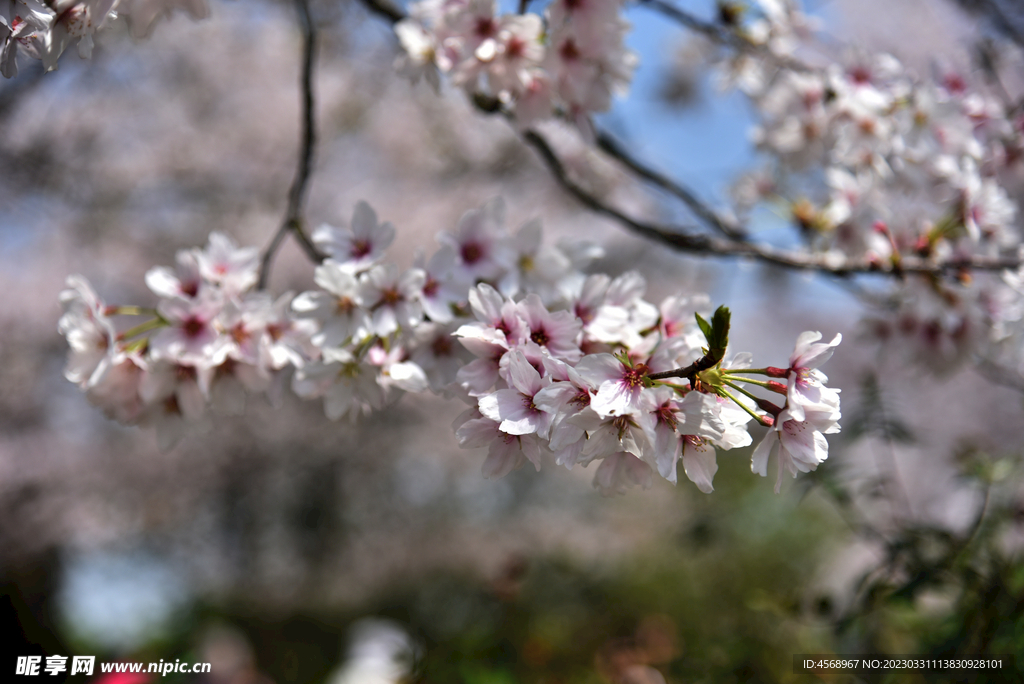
{"x":615,"y":149}
{"x":385,"y":9}
{"x":293,"y":220}
{"x":710,"y":30}
{"x":678,"y":238}
{"x":681,"y":238}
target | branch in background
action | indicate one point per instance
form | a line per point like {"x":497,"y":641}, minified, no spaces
{"x":293,"y":221}
{"x":386,"y":10}
{"x":988,"y":58}
{"x":680,"y":238}
{"x":710,"y":30}
{"x":721,"y":35}
{"x":614,"y":148}
{"x":607,"y":143}
{"x":1011,"y":26}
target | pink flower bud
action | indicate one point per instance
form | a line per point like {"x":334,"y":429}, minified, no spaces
{"x":769,"y":407}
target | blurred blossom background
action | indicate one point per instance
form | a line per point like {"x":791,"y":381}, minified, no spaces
{"x":282,"y":547}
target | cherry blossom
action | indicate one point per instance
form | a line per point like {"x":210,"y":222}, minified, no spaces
{"x":514,"y":408}
{"x":620,"y":385}
{"x":360,"y":247}
{"x":800,"y":444}
{"x":89,"y":332}
{"x":806,"y":389}
{"x":338,"y":308}
{"x":392,"y":298}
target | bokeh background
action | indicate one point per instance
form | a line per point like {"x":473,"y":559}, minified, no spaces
{"x":285,"y":548}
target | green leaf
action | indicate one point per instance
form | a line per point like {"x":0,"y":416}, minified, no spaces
{"x":716,"y":333}
{"x":705,"y":327}
{"x":719,"y":338}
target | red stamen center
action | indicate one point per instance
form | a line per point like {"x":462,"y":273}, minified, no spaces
{"x":360,"y":248}
{"x":193,"y":326}
{"x":471,"y":252}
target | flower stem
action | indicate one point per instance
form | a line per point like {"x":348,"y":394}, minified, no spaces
{"x":770,"y":371}
{"x":758,"y":417}
{"x":729,"y":377}
{"x":136,"y":345}
{"x":151,"y":324}
{"x":682,"y":389}
{"x":130,"y":310}
{"x":770,"y":385}
{"x":736,"y":387}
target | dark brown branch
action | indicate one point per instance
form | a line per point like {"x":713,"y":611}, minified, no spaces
{"x":293,"y":222}
{"x":709,"y":30}
{"x":385,"y":9}
{"x":706,"y":214}
{"x":680,"y":240}
{"x":689,"y":372}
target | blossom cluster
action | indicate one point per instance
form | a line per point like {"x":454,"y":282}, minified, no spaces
{"x":43,"y":29}
{"x":556,"y":365}
{"x":573,"y":59}
{"x":875,"y":163}
{"x":211,"y":339}
{"x":911,"y":165}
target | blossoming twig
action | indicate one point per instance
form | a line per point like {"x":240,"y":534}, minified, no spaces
{"x":678,"y":238}
{"x":685,"y":240}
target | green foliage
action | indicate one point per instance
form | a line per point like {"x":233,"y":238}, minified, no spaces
{"x":716,"y":332}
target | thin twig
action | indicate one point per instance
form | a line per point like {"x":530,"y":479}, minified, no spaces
{"x":613,"y":148}
{"x":709,"y":30}
{"x":293,"y":221}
